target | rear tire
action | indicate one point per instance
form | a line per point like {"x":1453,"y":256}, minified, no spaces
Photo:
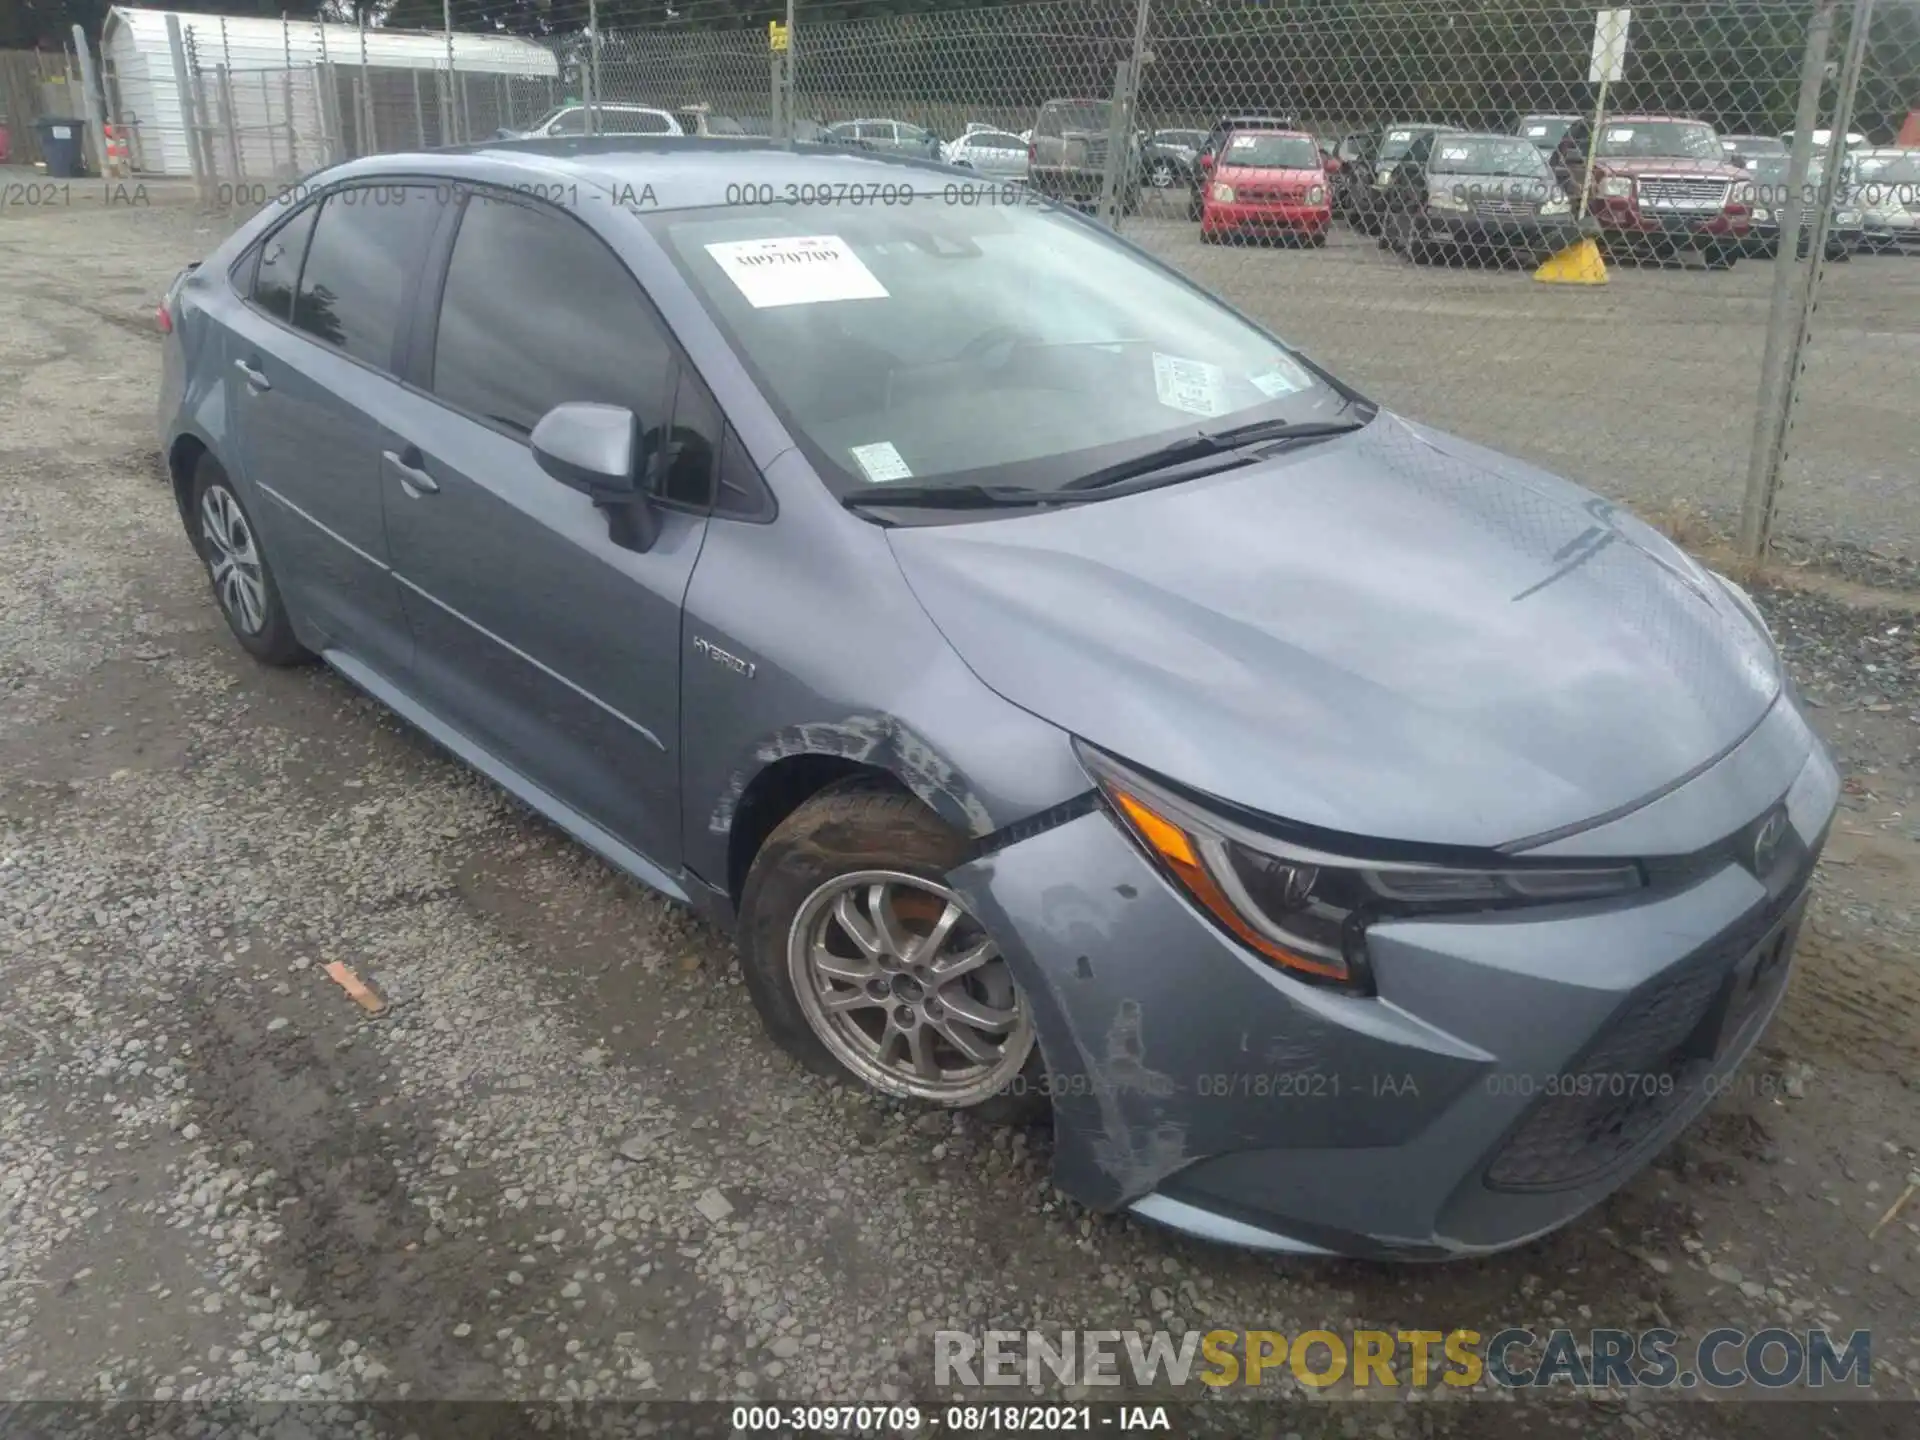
{"x":836,"y":908}
{"x":243,"y":582}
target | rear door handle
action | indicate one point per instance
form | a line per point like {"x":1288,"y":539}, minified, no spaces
{"x":256,"y":378}
{"x":409,"y":466}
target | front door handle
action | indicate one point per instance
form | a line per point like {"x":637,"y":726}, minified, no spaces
{"x":409,"y":465}
{"x":255,"y":377}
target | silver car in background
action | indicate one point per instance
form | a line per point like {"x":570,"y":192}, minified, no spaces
{"x":995,"y":154}
{"x":1886,"y":187}
{"x":608,"y":119}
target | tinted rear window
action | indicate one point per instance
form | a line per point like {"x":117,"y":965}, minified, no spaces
{"x":1057,"y":119}
{"x":280,"y":257}
{"x":366,"y":244}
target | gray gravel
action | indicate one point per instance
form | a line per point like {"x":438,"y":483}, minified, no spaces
{"x":565,"y":1163}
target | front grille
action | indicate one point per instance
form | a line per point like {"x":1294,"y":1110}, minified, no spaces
{"x":1506,"y":209}
{"x":1680,"y":192}
{"x":1265,"y":194}
{"x":1646,"y":1063}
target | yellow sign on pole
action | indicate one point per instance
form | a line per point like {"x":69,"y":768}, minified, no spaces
{"x":776,"y":35}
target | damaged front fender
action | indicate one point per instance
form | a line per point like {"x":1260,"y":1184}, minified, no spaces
{"x":1166,"y":1043}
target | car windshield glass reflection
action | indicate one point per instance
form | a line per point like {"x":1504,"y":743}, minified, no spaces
{"x":1272,"y":152}
{"x":1011,"y":346}
{"x":1483,"y":155}
{"x":1660,"y":139}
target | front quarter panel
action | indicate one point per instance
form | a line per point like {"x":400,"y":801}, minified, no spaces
{"x":802,"y":638}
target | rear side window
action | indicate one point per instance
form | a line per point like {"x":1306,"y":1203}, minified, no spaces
{"x":537,"y":312}
{"x":367,"y":243}
{"x":570,"y":122}
{"x":633,"y":122}
{"x":279,"y":269}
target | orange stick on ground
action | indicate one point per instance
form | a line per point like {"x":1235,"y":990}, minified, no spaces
{"x":364,"y":995}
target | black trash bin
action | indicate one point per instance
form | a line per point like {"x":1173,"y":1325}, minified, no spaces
{"x":63,"y":145}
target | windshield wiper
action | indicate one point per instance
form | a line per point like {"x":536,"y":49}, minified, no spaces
{"x":957,"y":497}
{"x":1199,"y":447}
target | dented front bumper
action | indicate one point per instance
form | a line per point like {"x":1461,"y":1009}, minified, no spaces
{"x":1198,"y":1086}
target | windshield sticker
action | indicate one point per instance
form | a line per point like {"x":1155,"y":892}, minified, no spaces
{"x":1536,"y":131}
{"x":881,"y":462}
{"x":1243,"y":142}
{"x":1619,"y":137}
{"x":1195,"y":386}
{"x":796,"y":270}
{"x":1282,"y":377}
{"x":1456,"y":152}
{"x":1396,"y":137}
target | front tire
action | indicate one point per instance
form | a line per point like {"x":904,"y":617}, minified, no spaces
{"x":243,"y":582}
{"x":864,"y":965}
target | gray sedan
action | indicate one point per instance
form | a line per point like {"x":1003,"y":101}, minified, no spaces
{"x":992,"y":153}
{"x":1072,"y":699}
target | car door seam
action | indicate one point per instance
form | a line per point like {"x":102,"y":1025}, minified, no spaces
{"x":326,"y":530}
{"x":546,"y":670}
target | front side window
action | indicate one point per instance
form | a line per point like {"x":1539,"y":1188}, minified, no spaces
{"x":633,"y":122}
{"x":1271,"y":152}
{"x":1399,"y":140}
{"x":1007,"y":344}
{"x":279,"y":269}
{"x":537,"y":312}
{"x":1661,"y":139}
{"x":368,"y":242}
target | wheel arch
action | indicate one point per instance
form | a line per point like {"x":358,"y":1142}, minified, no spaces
{"x":183,"y":459}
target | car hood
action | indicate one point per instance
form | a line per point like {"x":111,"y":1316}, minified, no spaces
{"x":1394,"y":634}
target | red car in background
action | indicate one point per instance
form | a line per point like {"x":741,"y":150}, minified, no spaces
{"x":1267,"y":183}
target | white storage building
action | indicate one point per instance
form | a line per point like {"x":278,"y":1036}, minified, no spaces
{"x":276,"y":87}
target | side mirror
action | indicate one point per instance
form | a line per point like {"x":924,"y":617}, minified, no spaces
{"x":591,"y":448}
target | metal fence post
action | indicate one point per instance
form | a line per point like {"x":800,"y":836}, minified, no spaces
{"x":223,"y":79}
{"x":448,"y":137}
{"x":369,"y":139}
{"x":189,"y":112}
{"x":286,"y":98}
{"x":593,"y":66}
{"x":419,"y":113}
{"x":1118,"y":181}
{"x":1776,"y":360}
{"x":90,"y":94}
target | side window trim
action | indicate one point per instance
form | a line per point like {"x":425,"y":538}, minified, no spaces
{"x":423,"y":322}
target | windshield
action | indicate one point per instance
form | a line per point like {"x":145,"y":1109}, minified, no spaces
{"x":1678,"y":139}
{"x":1061,"y":117}
{"x":1400,"y":139}
{"x":1545,"y":131}
{"x":1889,"y":169}
{"x":1272,"y":152}
{"x":1013,"y":345}
{"x":1486,"y":155}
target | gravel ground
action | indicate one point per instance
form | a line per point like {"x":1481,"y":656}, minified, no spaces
{"x":566,"y":1164}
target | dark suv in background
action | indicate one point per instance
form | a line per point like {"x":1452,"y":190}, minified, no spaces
{"x":1067,"y":156}
{"x":1371,"y":170}
{"x":1216,"y":141}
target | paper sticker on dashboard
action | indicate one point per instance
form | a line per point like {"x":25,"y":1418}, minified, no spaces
{"x":881,"y":462}
{"x":1195,"y":386}
{"x":796,"y":270}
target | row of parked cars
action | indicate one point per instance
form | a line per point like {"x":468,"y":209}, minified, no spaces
{"x":1660,"y":184}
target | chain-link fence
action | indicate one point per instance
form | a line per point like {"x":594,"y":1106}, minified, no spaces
{"x":1375,"y":179}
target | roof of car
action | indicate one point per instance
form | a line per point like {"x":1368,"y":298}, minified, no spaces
{"x":683,"y":172}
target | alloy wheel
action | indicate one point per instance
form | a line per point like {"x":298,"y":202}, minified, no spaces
{"x":233,"y":559}
{"x":906,"y":989}
{"x":1161,"y":176}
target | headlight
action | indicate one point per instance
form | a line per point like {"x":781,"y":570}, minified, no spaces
{"x":1316,"y":195}
{"x":1558,"y":205}
{"x":1223,"y":194}
{"x":1617,"y":187}
{"x":1846,"y":217}
{"x":1305,"y":910}
{"x":1446,"y":200}
{"x":1383,"y":175}
{"x":1743,"y":193}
